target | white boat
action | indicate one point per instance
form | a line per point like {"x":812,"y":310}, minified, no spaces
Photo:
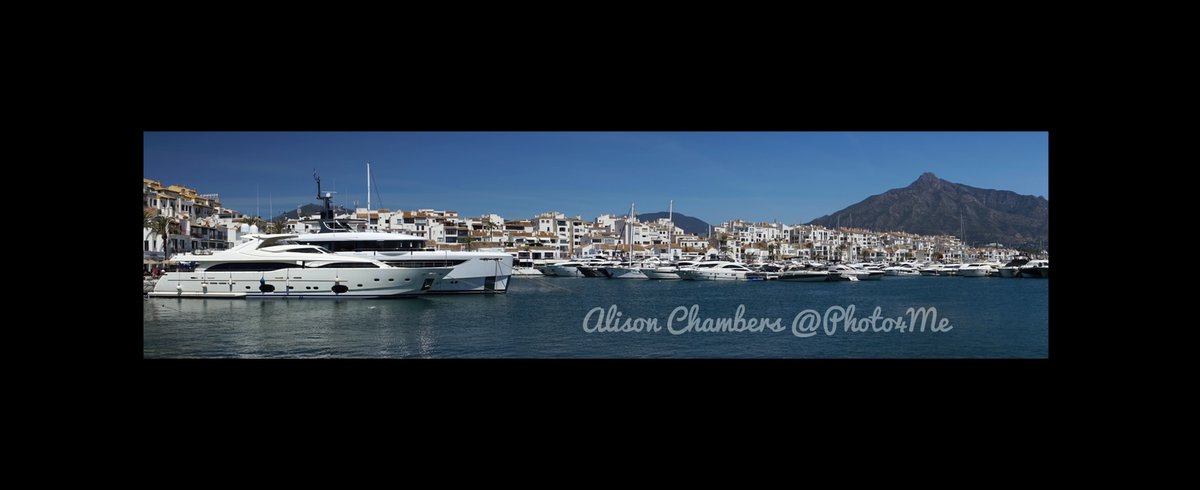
{"x":667,"y":272}
{"x":571,"y":268}
{"x":843,"y":272}
{"x":597,"y":269}
{"x":874,"y":271}
{"x":932,"y":270}
{"x":716,"y":270}
{"x":1036,"y":268}
{"x":265,"y":267}
{"x":525,"y":271}
{"x":473,"y":272}
{"x":977,"y":269}
{"x":624,"y":272}
{"x":900,"y":270}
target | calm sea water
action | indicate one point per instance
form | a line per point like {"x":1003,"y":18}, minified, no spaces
{"x":543,"y":318}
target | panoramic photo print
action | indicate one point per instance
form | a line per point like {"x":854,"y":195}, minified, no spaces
{"x":622,"y":245}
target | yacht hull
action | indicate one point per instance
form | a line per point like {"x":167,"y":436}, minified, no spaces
{"x":980,"y":272}
{"x":473,"y":272}
{"x":298,"y":283}
{"x":624,"y":273}
{"x":653,"y":274}
{"x":814,"y":276}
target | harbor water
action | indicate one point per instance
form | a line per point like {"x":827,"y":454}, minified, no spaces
{"x":544,"y":317}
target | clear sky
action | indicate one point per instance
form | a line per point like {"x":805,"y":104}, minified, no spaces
{"x":792,"y":177}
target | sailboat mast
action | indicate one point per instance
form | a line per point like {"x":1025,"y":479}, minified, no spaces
{"x":670,"y":225}
{"x":962,"y":235}
{"x":368,"y":193}
{"x":630,"y":243}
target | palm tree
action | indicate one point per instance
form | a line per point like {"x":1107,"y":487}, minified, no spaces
{"x":277,"y":226}
{"x":163,"y":226}
{"x":147,"y":217}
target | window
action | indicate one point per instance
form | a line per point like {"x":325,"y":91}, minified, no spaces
{"x":351,"y":265}
{"x":251,"y":266}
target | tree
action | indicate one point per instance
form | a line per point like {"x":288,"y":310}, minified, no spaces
{"x":468,"y":240}
{"x":277,"y":226}
{"x":147,"y":217}
{"x":164,"y":226}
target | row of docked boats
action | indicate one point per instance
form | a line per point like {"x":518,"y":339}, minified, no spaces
{"x":1020,"y":267}
{"x":808,"y":272}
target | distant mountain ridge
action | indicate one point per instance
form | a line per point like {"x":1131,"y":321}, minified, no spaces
{"x":932,"y":206}
{"x":695,"y":226}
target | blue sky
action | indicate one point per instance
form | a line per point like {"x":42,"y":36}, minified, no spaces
{"x":792,"y":177}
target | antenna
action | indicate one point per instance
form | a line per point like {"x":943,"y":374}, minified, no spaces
{"x":327,"y":213}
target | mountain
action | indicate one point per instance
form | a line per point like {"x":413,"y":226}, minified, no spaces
{"x":695,"y":226}
{"x":931,"y":206}
{"x":311,"y":209}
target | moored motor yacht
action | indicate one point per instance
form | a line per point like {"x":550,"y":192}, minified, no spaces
{"x":624,"y":271}
{"x":900,"y":270}
{"x":715,"y":271}
{"x":1013,"y":267}
{"x":1037,"y":269}
{"x":977,"y":269}
{"x":667,"y":272}
{"x":472,"y":272}
{"x":843,"y":272}
{"x":264,"y":266}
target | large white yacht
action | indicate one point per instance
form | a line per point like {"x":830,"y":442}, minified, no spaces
{"x":267,"y":267}
{"x":715,"y":270}
{"x":977,"y":269}
{"x":667,"y":271}
{"x":473,"y":272}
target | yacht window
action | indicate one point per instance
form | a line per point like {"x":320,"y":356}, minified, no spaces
{"x":251,"y":266}
{"x":351,"y":265}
